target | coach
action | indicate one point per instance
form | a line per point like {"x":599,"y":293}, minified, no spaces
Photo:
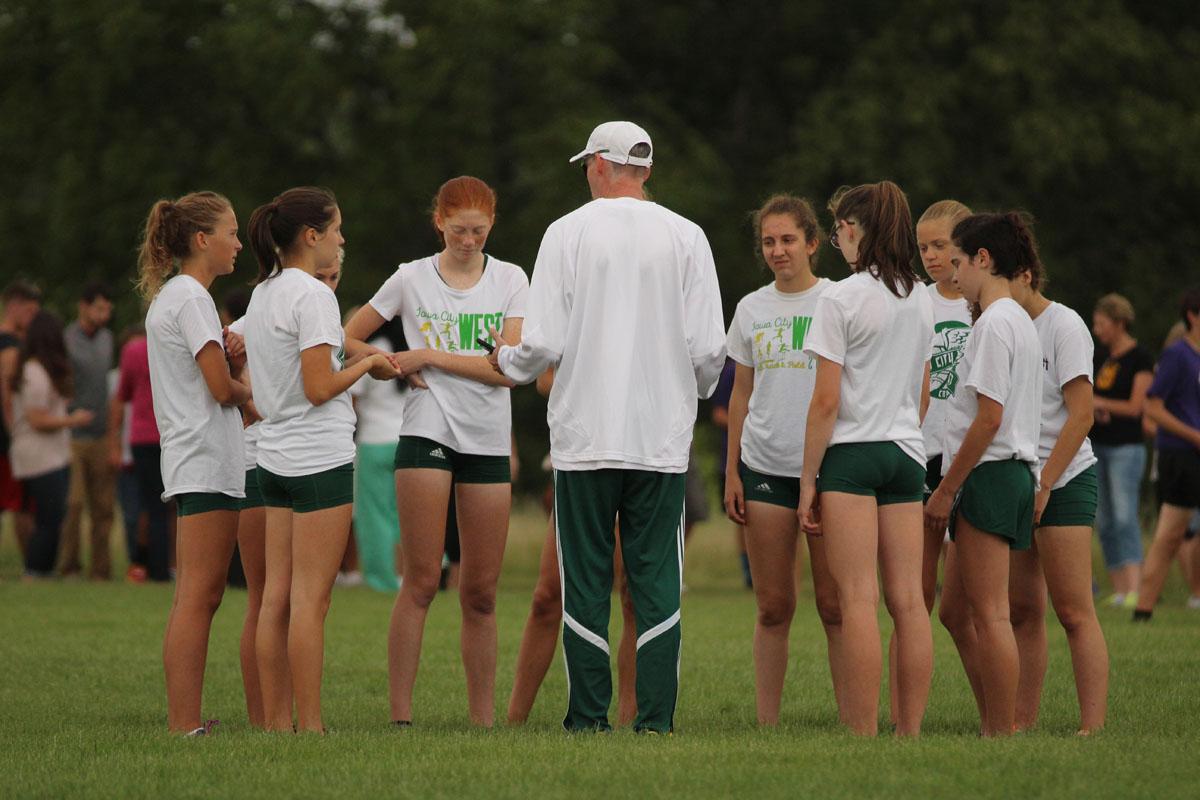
{"x":624,"y":303}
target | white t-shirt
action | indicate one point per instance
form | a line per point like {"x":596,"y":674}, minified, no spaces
{"x":767,"y":334}
{"x":379,"y":405}
{"x":1003,"y":362}
{"x":951,"y":324}
{"x":201,"y":440}
{"x":1067,"y":353}
{"x":250,"y":433}
{"x":32,"y":452}
{"x":463,"y":414}
{"x":289,"y":314}
{"x":625,"y":304}
{"x":882,"y":343}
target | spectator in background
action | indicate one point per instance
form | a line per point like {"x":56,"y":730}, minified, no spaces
{"x":1124,"y":370}
{"x":720,"y":418}
{"x":133,"y":516}
{"x":1173,"y":402}
{"x":133,"y":388}
{"x":41,"y":445}
{"x":21,"y":301}
{"x":93,"y":479}
{"x":380,"y":409}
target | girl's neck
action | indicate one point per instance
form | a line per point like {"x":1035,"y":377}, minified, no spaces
{"x":448,"y":262}
{"x":1122,"y":344}
{"x":948,"y":290}
{"x":198,"y":271}
{"x":1193,"y":337}
{"x":795,"y":282}
{"x":993,"y":291}
{"x":1035,"y":304}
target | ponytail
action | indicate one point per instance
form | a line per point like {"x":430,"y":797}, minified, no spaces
{"x":167,"y":236}
{"x":275,"y":226}
{"x":888,"y":248}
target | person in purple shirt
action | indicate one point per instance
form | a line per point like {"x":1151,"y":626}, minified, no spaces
{"x":1173,"y":402}
{"x":720,"y":418}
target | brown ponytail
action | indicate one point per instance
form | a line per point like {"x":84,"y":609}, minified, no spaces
{"x":167,"y":237}
{"x":888,"y":248}
{"x":274,"y":227}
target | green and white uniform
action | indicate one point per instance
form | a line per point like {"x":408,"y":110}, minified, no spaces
{"x":951,"y":326}
{"x":625,"y":303}
{"x":767,"y":334}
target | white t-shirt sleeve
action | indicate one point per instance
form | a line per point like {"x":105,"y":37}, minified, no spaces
{"x":238,"y":326}
{"x":827,"y":336}
{"x":1073,"y":352}
{"x":737,"y":343}
{"x":198,"y":324}
{"x":702,"y":316}
{"x":991,"y":365}
{"x":388,"y":301}
{"x":317,"y":320}
{"x":544,"y":334}
{"x":518,"y":294}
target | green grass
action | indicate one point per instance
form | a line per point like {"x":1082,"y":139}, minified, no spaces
{"x":82,"y":709}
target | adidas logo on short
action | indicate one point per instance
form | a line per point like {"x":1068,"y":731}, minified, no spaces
{"x":763,"y":487}
{"x":437,"y":453}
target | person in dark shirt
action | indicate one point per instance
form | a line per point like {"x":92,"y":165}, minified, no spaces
{"x":720,"y":418}
{"x":1173,"y":402}
{"x":19,"y":303}
{"x":1123,"y":370}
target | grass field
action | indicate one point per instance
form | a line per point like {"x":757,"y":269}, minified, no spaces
{"x":82,"y":710}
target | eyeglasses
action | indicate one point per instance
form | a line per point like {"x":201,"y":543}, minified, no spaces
{"x":833,"y":237}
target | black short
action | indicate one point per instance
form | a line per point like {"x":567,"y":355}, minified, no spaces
{"x":1179,"y":478}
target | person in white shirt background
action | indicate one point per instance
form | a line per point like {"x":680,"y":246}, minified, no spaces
{"x":294,"y":346}
{"x":771,"y":388}
{"x":625,"y":304}
{"x":871,"y":336}
{"x":1064,"y":512}
{"x":991,"y":452}
{"x":457,"y":430}
{"x":951,"y":326}
{"x":196,"y":396}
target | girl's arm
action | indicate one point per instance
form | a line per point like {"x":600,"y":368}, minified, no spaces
{"x":221,"y":385}
{"x":924,"y":394}
{"x":1077,"y":396}
{"x":822,"y":414}
{"x":739,"y":406}
{"x":974,"y":445}
{"x":322,"y":383}
{"x":359,"y":329}
{"x":1134,"y":406}
{"x":1158,"y":413}
{"x":477,"y":368}
{"x":43,"y":421}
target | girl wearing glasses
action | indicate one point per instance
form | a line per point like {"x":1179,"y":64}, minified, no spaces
{"x":864,"y":454}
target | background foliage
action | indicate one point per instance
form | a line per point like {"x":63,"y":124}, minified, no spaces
{"x":1083,"y":112}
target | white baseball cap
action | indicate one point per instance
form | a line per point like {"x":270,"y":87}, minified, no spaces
{"x":612,"y":141}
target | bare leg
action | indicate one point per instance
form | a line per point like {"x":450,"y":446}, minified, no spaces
{"x":1168,"y":535}
{"x":483,"y":510}
{"x":1027,"y":610}
{"x":985,"y":562}
{"x":422,"y":498}
{"x":1189,"y":560}
{"x":541,"y":633}
{"x":852,"y":546}
{"x":826,"y":596}
{"x":1125,"y":579}
{"x":771,"y":532}
{"x":205,"y":549}
{"x":954,"y":612}
{"x":900,"y":556}
{"x":251,"y":536}
{"x":271,"y":638}
{"x":1065,"y":555}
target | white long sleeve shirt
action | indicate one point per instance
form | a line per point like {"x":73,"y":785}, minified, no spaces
{"x":624,"y":302}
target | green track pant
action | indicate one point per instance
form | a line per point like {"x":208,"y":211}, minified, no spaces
{"x":650,"y":505}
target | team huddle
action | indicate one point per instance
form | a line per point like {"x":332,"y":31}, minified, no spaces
{"x":877,"y":416}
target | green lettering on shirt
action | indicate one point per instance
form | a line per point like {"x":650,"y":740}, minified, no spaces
{"x":800,"y":326}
